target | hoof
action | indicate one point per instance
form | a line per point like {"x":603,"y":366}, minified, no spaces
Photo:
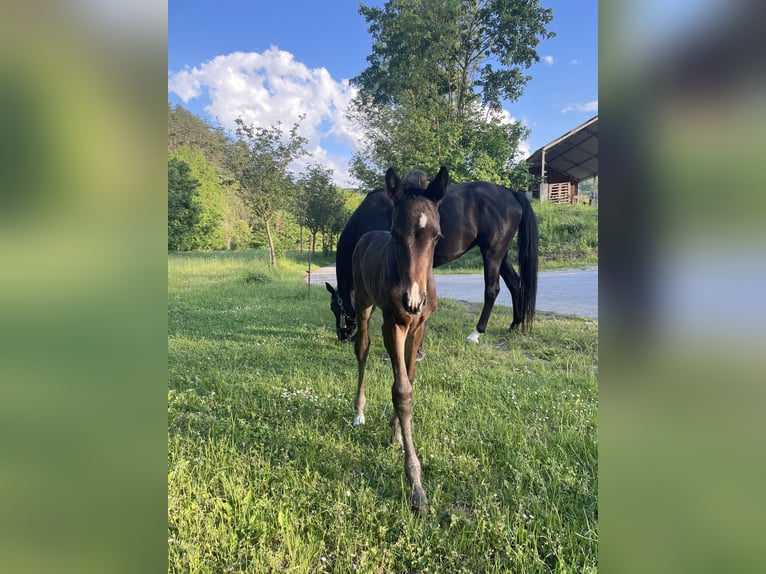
{"x":473,"y":337}
{"x":358,"y":420}
{"x":419,"y":502}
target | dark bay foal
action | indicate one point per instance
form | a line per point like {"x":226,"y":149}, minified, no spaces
{"x":394,"y":271}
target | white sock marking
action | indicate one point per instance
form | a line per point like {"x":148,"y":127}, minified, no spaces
{"x":473,"y":337}
{"x":358,"y":420}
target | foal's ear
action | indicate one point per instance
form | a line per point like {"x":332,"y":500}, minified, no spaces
{"x":393,"y":184}
{"x":438,"y":186}
{"x":330,"y":288}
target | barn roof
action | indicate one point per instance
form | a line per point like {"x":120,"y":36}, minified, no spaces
{"x":575,"y":154}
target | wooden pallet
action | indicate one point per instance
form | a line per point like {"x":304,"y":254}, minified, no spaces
{"x":559,"y":192}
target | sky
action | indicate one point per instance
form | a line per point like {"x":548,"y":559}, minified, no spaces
{"x":269,"y":61}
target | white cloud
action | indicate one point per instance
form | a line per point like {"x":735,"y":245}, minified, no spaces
{"x":574,"y":62}
{"x":337,"y":163}
{"x":523,"y":151}
{"x":589,"y":107}
{"x":549,"y":59}
{"x":503,"y":116}
{"x":270,"y":87}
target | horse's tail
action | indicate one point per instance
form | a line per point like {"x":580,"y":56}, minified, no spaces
{"x":528,"y":240}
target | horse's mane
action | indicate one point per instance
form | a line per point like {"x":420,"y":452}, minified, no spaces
{"x":415,"y":178}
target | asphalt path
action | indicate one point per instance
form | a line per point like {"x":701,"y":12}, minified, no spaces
{"x":571,"y":292}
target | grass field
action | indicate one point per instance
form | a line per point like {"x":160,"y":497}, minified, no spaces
{"x":267,"y":474}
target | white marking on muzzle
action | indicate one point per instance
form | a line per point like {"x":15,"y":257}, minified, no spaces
{"x":423,"y":221}
{"x":415,"y":295}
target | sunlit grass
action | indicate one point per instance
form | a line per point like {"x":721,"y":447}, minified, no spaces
{"x":266,"y":472}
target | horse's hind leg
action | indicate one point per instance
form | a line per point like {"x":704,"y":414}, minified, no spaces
{"x":513,"y":282}
{"x":401,"y":393}
{"x":361,"y":349}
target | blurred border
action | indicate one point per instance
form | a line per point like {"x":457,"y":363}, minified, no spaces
{"x":683,"y":268}
{"x":83,"y":104}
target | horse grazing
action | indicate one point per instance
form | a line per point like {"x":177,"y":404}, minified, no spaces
{"x":394,"y":271}
{"x":472,"y":214}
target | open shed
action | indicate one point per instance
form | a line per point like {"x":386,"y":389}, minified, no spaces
{"x":565,"y":162}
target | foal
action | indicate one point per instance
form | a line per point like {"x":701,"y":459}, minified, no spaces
{"x":394,"y":271}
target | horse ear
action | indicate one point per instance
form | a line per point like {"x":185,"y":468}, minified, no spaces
{"x":438,"y":186}
{"x":393,"y":184}
{"x":330,"y":288}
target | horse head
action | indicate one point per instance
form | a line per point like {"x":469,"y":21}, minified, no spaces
{"x":415,"y":230}
{"x":344,"y":323}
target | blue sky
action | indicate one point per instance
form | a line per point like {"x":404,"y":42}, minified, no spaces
{"x":271,"y":60}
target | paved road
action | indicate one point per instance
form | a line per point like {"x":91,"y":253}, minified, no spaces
{"x":572,"y":292}
{"x":569,"y":292}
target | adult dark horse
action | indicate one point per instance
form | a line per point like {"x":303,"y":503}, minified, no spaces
{"x":394,"y":271}
{"x":472,"y":214}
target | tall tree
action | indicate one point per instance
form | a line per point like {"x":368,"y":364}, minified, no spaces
{"x":437,"y":75}
{"x":259,"y":159}
{"x":183,"y":210}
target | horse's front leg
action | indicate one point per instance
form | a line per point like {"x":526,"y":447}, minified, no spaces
{"x":401,"y":394}
{"x":411,"y":349}
{"x":491,"y":290}
{"x":361,"y":349}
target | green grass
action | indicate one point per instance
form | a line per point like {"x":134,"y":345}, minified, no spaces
{"x":267,"y":474}
{"x":568,"y":235}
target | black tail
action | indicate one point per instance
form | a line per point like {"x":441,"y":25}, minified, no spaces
{"x":528,"y":237}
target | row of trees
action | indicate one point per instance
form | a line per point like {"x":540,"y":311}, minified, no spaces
{"x":224,"y":192}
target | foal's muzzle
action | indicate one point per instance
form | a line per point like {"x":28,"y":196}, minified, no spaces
{"x":413,"y":307}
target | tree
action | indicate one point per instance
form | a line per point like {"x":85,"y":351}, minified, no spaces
{"x":187,"y":130}
{"x":205,"y":148}
{"x":319,"y":206}
{"x":183,"y":211}
{"x":336,"y":226}
{"x":437,"y":75}
{"x":207,"y":233}
{"x":259,"y":159}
